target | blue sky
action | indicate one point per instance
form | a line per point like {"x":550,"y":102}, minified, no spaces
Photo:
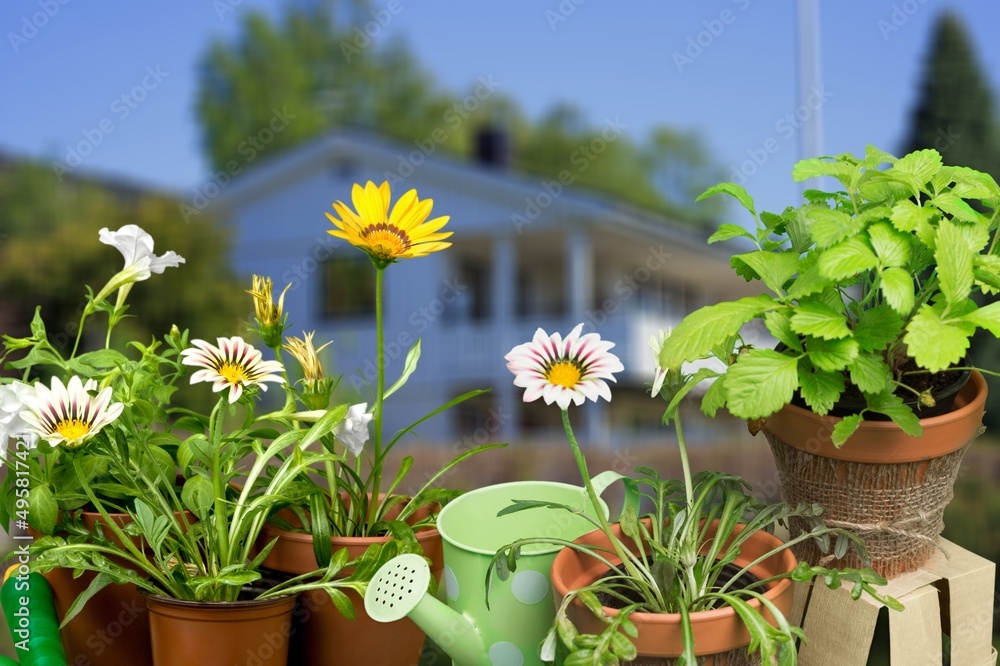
{"x":610,"y":59}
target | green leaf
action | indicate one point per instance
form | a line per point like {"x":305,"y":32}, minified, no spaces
{"x":198,"y":496}
{"x":714,"y":398}
{"x":845,"y":428}
{"x":847,"y":259}
{"x":324,"y":425}
{"x":409,"y":366}
{"x":101,"y":359}
{"x":892,"y":405}
{"x":820,"y":389}
{"x":976,"y":236}
{"x":760,"y":383}
{"x":819,"y":320}
{"x":797,"y":228}
{"x":779,"y":324}
{"x":733,"y":190}
{"x":38,"y":324}
{"x":809,"y":281}
{"x":955,"y":206}
{"x":936,"y":344}
{"x":708,"y":326}
{"x":875,"y":157}
{"x":774,"y":268}
{"x":818,"y":166}
{"x":972,"y":184}
{"x":897,"y":289}
{"x":877,"y":328}
{"x":870,"y":373}
{"x":831,"y":226}
{"x":920,"y":164}
{"x":987,"y":317}
{"x":954,"y":262}
{"x":907,"y":216}
{"x":891,"y":247}
{"x":43,"y":512}
{"x":100,"y":581}
{"x":728,"y":231}
{"x":832,"y":355}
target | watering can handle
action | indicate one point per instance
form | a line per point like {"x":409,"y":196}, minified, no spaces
{"x":602,"y":481}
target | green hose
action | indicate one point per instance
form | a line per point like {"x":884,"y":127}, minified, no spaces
{"x":31,"y":617}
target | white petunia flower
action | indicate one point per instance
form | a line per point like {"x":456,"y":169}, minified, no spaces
{"x":564,"y":371}
{"x":352,"y":432}
{"x":137,"y":247}
{"x":11,"y":423}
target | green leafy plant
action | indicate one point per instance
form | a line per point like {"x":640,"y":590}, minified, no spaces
{"x":672,"y":558}
{"x":870,"y":290}
{"x":182,"y":496}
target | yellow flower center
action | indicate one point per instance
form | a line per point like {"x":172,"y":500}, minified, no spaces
{"x":386,"y":240}
{"x":72,"y":429}
{"x":232,"y":373}
{"x":564,"y":373}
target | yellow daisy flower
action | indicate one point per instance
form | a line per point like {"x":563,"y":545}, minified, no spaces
{"x":385,"y":236}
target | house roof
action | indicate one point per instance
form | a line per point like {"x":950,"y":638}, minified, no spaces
{"x":277,"y":173}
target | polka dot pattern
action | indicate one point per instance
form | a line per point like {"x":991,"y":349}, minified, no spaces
{"x":529,"y":587}
{"x":450,"y":583}
{"x":506,"y":654}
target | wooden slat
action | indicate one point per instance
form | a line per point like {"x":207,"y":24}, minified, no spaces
{"x":969,"y":579}
{"x":915,"y":634}
{"x":839,"y":631}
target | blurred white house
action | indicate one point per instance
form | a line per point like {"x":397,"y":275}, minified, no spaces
{"x":528,"y":252}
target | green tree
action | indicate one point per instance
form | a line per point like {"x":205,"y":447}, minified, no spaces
{"x":328,"y":77}
{"x":954,"y":112}
{"x":51,"y":250}
{"x":955,"y":115}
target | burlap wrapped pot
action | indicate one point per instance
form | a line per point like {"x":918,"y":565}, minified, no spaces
{"x":886,"y":486}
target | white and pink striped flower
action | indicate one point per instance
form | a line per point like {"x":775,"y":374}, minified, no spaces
{"x":564,"y":371}
{"x":68,"y":415}
{"x":234,"y":364}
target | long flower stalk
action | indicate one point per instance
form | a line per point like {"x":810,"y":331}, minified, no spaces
{"x":379,"y":395}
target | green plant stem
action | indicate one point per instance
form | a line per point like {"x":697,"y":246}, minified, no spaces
{"x":79,"y":330}
{"x":685,"y":466}
{"x":379,"y":397}
{"x":219,"y":490}
{"x":595,"y":501}
{"x":332,"y":485}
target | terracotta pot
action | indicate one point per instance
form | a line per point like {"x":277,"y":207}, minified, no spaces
{"x":113,"y":628}
{"x":717,"y":633}
{"x":184,"y":633}
{"x":887,"y":486}
{"x":325,"y":637}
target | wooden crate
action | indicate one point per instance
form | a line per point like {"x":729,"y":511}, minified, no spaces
{"x":950,"y":595}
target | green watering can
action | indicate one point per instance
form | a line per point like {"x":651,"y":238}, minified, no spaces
{"x":31,"y":617}
{"x":521,"y":609}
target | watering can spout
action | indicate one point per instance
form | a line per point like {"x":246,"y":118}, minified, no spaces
{"x":399,"y":589}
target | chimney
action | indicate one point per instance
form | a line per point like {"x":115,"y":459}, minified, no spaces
{"x":492,"y":147}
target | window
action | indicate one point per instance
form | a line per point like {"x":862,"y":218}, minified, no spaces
{"x":474,"y":301}
{"x":347,"y":288}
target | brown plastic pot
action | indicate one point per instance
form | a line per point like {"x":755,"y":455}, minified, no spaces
{"x":716,"y":632}
{"x":324,"y":637}
{"x":890,"y":487}
{"x":113,"y":628}
{"x":185,"y":633}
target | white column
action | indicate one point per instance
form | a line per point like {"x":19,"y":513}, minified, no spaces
{"x":503,"y":286}
{"x":810,"y":75}
{"x":579,"y":274}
